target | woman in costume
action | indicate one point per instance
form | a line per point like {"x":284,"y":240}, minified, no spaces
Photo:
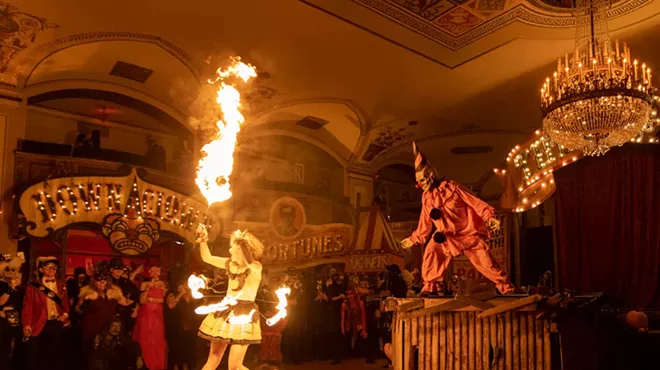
{"x":97,"y":305}
{"x":10,"y":306}
{"x":149,"y":328}
{"x":244,"y":272}
{"x":180,"y":328}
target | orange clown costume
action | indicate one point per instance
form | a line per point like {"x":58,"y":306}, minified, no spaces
{"x":462,"y":223}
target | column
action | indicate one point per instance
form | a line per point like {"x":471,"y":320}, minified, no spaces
{"x":12,"y":128}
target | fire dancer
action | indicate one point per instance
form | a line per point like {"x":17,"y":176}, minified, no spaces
{"x":462,"y":221}
{"x":238,"y":325}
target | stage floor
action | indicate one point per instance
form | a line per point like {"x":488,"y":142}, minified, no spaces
{"x":353,"y":364}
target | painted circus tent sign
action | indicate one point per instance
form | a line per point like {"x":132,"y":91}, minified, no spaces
{"x":129,"y":209}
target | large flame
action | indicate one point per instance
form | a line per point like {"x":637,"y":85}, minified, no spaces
{"x":281,"y":306}
{"x":216,"y":166}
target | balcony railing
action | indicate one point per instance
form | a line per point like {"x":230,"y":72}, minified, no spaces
{"x":36,"y":161}
{"x":29,"y":146}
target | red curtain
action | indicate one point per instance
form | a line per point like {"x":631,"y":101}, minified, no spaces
{"x":608,"y":225}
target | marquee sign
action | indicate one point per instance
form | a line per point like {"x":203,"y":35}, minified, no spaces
{"x":288,"y":239}
{"x":132,"y":212}
{"x":373,"y":262}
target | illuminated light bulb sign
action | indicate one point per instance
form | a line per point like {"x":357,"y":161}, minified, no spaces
{"x":530,"y":166}
{"x":51,"y":205}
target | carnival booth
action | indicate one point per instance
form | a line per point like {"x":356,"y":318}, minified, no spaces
{"x":375,"y":246}
{"x":84,"y":210}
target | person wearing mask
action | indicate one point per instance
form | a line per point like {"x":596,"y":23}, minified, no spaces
{"x":98,"y":306}
{"x":180,"y":328}
{"x":112,"y":350}
{"x":45,"y":316}
{"x":353,"y":318}
{"x":10,"y":303}
{"x":73,"y":288}
{"x":335,"y":340}
{"x":319,"y":308}
{"x":129,"y":290}
{"x":291,"y":336}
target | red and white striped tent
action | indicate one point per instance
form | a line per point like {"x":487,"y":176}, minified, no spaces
{"x":375,"y":246}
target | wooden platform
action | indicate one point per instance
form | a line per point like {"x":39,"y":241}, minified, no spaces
{"x":476,"y":332}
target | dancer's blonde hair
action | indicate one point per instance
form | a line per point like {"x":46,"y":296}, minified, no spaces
{"x":246,"y":240}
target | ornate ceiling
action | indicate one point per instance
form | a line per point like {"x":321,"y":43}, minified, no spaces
{"x":447,"y":73}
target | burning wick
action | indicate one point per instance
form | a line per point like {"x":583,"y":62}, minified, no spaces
{"x":281,"y":306}
{"x":216,"y":166}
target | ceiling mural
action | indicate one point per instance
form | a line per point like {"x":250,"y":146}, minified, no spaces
{"x":456,"y":23}
{"x":18,"y":30}
{"x":386,"y":137}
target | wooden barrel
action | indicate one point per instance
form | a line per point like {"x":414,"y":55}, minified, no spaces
{"x":457,"y":339}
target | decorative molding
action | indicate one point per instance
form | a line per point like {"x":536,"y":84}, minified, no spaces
{"x":39,"y":53}
{"x":18,"y":31}
{"x":384,"y":139}
{"x":458,"y":37}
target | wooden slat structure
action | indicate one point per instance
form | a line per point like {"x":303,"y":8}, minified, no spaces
{"x":448,"y":334}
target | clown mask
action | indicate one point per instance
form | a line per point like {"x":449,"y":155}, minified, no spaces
{"x":425,"y":178}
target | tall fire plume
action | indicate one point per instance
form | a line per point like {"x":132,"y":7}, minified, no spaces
{"x":216,"y":166}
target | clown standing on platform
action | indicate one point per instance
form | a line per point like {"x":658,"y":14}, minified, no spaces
{"x":463,"y":223}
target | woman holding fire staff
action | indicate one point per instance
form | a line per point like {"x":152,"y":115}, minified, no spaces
{"x":237,"y":325}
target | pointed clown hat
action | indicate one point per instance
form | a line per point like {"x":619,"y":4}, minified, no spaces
{"x":421,"y":163}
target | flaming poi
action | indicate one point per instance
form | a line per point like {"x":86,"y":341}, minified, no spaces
{"x":281,"y":306}
{"x":216,"y":166}
{"x":196,"y":283}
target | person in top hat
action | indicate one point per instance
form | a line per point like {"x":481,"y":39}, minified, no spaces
{"x":130,"y":291}
{"x":463,"y":223}
{"x":45,"y":317}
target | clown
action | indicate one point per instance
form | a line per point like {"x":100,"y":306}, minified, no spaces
{"x":463,"y":223}
{"x":244,"y":272}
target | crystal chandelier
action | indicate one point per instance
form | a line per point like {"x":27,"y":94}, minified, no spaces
{"x":601,"y":97}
